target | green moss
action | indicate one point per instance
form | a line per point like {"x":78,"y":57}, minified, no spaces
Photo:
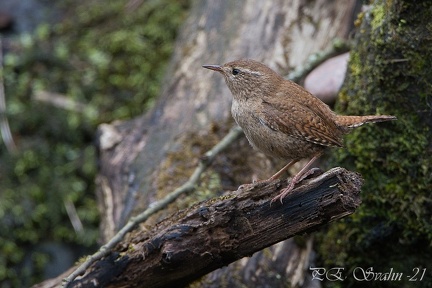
{"x":379,"y":13}
{"x":355,"y":67}
{"x":389,"y":74}
{"x":174,"y":171}
{"x":106,"y":58}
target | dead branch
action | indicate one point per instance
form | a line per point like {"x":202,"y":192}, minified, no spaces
{"x":214,"y":233}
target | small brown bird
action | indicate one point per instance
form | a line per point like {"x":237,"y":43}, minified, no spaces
{"x":282,"y":119}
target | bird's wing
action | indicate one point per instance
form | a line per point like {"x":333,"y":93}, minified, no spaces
{"x":300,"y":119}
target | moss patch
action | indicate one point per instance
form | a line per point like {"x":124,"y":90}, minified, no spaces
{"x":388,"y":74}
{"x":180,"y":164}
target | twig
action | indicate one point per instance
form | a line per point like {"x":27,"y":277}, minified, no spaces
{"x":60,"y":101}
{"x":158,"y":205}
{"x":4,"y":124}
{"x":73,"y":217}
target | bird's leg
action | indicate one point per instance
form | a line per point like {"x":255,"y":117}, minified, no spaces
{"x":279,"y":173}
{"x":308,"y":173}
{"x":303,"y":173}
{"x":274,"y":177}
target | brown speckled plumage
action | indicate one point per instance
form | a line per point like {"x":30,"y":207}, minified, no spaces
{"x":281,"y":118}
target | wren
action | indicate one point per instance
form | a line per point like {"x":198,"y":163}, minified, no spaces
{"x":282,"y":119}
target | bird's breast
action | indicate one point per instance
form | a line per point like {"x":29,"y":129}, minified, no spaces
{"x":269,"y":141}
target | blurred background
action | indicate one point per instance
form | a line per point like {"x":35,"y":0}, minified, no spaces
{"x":67,"y":67}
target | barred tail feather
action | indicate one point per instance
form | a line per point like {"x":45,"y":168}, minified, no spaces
{"x":355,"y":121}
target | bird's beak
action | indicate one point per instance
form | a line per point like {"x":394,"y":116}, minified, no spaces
{"x":213,"y":67}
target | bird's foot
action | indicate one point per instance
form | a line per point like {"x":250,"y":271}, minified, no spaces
{"x":284,"y":192}
{"x":296,"y":179}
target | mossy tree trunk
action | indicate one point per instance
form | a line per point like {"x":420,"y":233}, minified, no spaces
{"x":389,"y":73}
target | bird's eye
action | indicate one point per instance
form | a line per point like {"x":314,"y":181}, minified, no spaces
{"x":235,"y":71}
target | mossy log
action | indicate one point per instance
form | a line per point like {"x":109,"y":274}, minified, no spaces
{"x":216,"y":232}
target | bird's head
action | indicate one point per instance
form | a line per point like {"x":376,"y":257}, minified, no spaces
{"x":247,"y":78}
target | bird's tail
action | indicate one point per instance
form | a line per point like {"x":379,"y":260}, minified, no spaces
{"x":355,"y":121}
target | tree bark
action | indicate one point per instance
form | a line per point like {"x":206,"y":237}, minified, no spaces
{"x":216,"y":232}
